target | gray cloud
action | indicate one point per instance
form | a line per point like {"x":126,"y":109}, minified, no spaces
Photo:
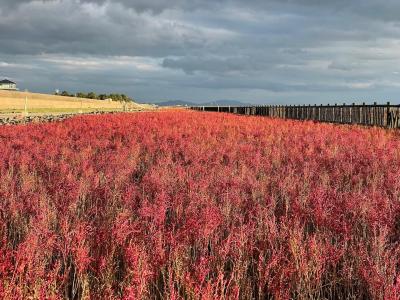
{"x":256,"y":50}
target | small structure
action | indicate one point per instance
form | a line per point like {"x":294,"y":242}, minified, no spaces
{"x":8,"y":85}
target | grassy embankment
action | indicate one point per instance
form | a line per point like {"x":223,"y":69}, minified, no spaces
{"x":15,"y":102}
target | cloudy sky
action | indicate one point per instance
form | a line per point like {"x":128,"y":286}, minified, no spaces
{"x":260,"y":51}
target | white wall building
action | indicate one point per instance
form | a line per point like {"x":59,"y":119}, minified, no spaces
{"x":8,"y":85}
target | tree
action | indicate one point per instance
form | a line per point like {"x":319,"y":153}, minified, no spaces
{"x":92,"y":95}
{"x":81,"y":95}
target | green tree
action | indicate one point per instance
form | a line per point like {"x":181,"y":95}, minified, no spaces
{"x":92,"y":95}
{"x":81,"y":95}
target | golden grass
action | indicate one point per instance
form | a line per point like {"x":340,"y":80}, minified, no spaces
{"x":14,"y":102}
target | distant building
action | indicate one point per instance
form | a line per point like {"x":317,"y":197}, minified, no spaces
{"x":8,"y":85}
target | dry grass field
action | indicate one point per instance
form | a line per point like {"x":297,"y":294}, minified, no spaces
{"x":14,"y":102}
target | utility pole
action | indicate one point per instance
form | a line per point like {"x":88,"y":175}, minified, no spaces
{"x":26,"y":106}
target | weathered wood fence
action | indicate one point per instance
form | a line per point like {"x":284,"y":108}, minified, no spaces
{"x":386,"y":115}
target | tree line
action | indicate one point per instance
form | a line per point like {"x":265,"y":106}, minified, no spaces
{"x":92,"y":95}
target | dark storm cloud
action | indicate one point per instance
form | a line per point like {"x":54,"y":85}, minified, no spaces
{"x":387,"y":11}
{"x":253,"y":50}
{"x":110,"y":32}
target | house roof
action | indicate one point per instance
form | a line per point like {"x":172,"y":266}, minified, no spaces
{"x":6,"y":81}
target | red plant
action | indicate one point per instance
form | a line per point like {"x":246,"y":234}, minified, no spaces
{"x":188,"y":205}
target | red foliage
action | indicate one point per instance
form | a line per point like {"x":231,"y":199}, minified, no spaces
{"x":187,"y":205}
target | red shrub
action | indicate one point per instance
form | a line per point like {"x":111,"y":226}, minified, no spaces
{"x":187,"y":205}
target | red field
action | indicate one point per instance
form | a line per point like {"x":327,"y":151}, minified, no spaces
{"x":187,"y":205}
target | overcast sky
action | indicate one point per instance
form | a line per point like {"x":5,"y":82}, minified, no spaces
{"x":260,"y":51}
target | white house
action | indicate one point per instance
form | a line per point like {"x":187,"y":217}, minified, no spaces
{"x":8,"y":85}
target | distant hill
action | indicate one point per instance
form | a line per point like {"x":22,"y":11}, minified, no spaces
{"x":212,"y":103}
{"x":175,"y":103}
{"x":225,"y":103}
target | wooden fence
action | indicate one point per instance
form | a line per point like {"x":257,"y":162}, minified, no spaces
{"x":373,"y":115}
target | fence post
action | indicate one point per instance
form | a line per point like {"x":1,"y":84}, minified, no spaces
{"x":362,"y":114}
{"x":335,"y":117}
{"x":300,"y":112}
{"x":327,"y":113}
{"x":373,"y":115}
{"x":344,"y":113}
{"x":315,"y":112}
{"x":351,"y":113}
{"x":388,"y":117}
